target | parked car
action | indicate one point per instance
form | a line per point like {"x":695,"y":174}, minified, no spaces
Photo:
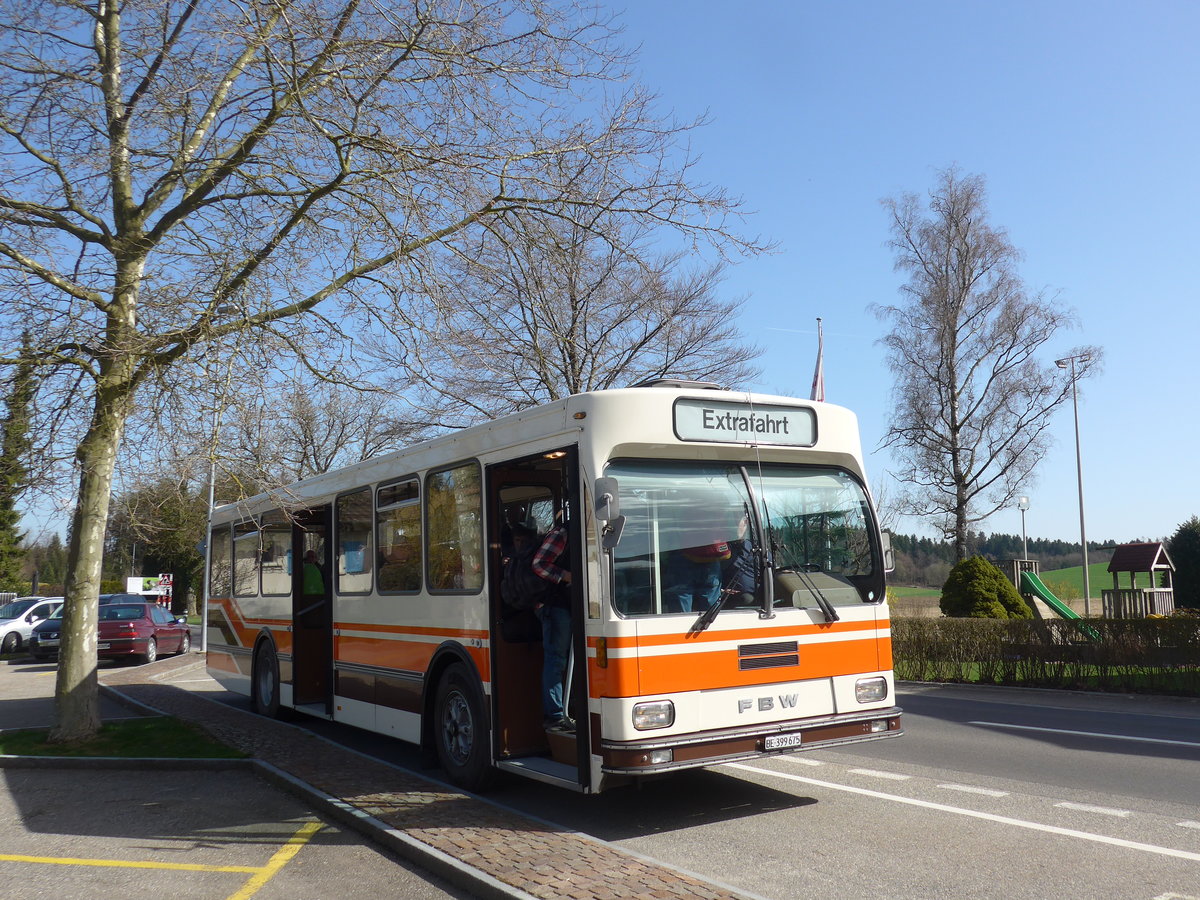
{"x":45,"y":637}
{"x":19,"y":617}
{"x":105,"y":599}
{"x":141,"y":630}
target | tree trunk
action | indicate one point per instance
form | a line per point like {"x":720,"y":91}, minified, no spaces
{"x":76,"y":692}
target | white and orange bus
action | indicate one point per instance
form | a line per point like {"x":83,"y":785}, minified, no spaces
{"x":727,"y":599}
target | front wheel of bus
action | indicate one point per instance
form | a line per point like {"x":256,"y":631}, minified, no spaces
{"x":460,"y":729}
{"x":266,"y":681}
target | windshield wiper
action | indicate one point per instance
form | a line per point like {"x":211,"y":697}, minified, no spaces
{"x":801,"y":571}
{"x":709,"y":615}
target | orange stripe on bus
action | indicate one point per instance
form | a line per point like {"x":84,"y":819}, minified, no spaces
{"x":700,"y":670}
{"x":743,"y":634}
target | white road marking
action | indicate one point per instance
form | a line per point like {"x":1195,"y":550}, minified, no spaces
{"x":803,"y":761}
{"x":874,"y":773}
{"x":989,"y":817}
{"x":1188,"y":824}
{"x":1103,"y":810}
{"x":971,"y":789}
{"x":1095,"y":734}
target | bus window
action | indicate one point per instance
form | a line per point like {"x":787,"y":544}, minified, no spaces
{"x":276,"y":556}
{"x":354,"y":543}
{"x":688,"y":525}
{"x":398,"y":527}
{"x":219,"y":581}
{"x":245,"y":559}
{"x":454,"y":537}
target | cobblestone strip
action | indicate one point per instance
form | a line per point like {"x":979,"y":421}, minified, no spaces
{"x":530,"y":856}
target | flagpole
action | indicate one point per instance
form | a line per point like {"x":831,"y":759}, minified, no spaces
{"x":818,"y":382}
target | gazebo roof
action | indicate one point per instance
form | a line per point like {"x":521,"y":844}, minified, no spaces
{"x":1140,"y":558}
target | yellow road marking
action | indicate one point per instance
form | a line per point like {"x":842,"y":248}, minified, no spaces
{"x":122,"y":864}
{"x":259,"y":875}
{"x":281,"y":858}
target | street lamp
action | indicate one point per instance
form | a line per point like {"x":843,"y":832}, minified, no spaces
{"x":1022,"y":505}
{"x":218,"y":403}
{"x":1069,"y":362}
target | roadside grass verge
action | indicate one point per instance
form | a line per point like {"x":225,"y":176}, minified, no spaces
{"x":153,"y":737}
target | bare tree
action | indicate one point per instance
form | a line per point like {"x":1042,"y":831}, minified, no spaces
{"x":302,"y":428}
{"x":972,"y":399}
{"x":175,"y":172}
{"x":554,"y":308}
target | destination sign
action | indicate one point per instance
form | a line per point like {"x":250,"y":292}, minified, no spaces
{"x":741,"y":423}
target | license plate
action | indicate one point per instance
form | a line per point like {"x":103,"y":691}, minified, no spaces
{"x":103,"y":645}
{"x":45,"y":643}
{"x":782,"y":741}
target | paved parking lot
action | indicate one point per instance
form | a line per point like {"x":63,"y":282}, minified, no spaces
{"x":188,"y":834}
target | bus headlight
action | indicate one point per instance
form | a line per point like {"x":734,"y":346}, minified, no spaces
{"x":653,"y":714}
{"x":870,"y":690}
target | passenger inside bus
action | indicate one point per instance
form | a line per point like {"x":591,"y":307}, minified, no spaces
{"x":314,"y":578}
{"x":556,"y":627}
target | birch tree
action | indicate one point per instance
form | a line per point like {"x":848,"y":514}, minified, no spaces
{"x":174,"y":172}
{"x":974,"y":394}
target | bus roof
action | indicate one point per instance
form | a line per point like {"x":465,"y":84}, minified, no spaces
{"x":627,"y":418}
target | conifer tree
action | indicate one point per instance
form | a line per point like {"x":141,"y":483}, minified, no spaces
{"x":14,"y":467}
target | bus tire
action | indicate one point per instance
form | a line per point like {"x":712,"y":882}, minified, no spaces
{"x":460,"y":729}
{"x":265,"y":680}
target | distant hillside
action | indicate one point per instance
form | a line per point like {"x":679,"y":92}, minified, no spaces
{"x":925,"y":562}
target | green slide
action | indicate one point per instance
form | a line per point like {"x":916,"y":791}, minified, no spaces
{"x":1031,"y":584}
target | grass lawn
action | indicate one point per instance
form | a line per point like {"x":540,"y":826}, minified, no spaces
{"x":156,"y":737}
{"x":901,"y":591}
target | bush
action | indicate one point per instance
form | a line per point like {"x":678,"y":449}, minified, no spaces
{"x":976,"y":589}
{"x":1184,"y":550}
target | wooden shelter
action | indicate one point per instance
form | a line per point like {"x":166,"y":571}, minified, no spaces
{"x":1134,"y":602}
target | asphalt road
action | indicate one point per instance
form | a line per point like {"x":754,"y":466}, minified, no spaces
{"x":992,"y":793}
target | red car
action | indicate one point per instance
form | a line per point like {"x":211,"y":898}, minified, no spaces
{"x":143,"y":630}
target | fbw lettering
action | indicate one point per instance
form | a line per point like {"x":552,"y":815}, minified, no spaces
{"x":766,"y":704}
{"x":754,"y":423}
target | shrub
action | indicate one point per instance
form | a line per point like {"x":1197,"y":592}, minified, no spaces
{"x":1184,"y":550}
{"x":976,"y":589}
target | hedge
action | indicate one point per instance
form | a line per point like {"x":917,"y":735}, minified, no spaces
{"x":1159,"y":655}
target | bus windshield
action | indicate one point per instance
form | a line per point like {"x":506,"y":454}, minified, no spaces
{"x":697,"y":531}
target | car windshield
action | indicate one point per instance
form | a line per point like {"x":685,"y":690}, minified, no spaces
{"x":696,"y":531}
{"x":122,"y":613}
{"x":15,"y":608}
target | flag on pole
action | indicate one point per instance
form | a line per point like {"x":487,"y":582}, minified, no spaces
{"x":818,"y":385}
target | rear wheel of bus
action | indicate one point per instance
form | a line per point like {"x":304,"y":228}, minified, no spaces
{"x":460,"y":730}
{"x":265,"y":680}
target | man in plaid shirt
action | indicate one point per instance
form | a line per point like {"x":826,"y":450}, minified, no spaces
{"x":556,"y":627}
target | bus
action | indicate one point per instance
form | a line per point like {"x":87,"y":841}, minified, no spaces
{"x":727,"y":599}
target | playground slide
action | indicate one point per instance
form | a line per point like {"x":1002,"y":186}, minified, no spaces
{"x":1031,"y":584}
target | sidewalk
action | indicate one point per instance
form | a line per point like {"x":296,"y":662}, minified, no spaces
{"x":490,"y":851}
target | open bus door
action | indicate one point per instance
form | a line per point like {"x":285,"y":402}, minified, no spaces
{"x":312,"y":612}
{"x":532,"y":492}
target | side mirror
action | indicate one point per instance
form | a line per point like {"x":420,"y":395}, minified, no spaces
{"x":889,"y":555}
{"x":608,"y":503}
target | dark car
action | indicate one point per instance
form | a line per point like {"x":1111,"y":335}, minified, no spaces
{"x":141,"y":630}
{"x":44,"y":639}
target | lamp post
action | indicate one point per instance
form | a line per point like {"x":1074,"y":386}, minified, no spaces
{"x":218,"y":404}
{"x":1022,"y":505}
{"x":1069,"y":362}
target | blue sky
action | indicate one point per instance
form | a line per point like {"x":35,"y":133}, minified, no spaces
{"x":1082,"y":116}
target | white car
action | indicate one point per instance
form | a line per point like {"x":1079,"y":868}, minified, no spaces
{"x":17,"y":618}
